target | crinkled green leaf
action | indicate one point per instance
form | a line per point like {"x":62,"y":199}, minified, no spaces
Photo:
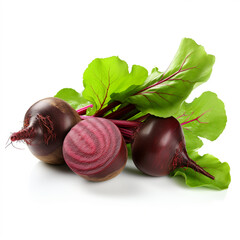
{"x":204,"y":117}
{"x":221,"y":172}
{"x":163,"y":93}
{"x":105,"y":76}
{"x":75,"y":99}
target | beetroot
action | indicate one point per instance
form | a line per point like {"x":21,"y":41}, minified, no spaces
{"x":46,"y":124}
{"x":158,"y":148}
{"x":95,"y":149}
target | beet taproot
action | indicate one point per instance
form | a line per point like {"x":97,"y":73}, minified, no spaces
{"x":159,"y":148}
{"x":46,"y":123}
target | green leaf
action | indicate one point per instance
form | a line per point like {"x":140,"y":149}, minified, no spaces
{"x":221,"y":172}
{"x":204,"y":117}
{"x":163,"y":93}
{"x":129,"y":148}
{"x":75,"y":99}
{"x":105,"y":76}
{"x":193,"y":142}
{"x":134,"y":89}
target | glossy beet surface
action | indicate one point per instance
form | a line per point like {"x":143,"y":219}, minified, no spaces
{"x":46,"y":124}
{"x":159,"y":148}
{"x":95,"y":149}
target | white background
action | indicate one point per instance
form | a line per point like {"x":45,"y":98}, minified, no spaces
{"x":45,"y":46}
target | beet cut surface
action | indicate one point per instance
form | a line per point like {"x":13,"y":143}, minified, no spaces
{"x":95,"y":149}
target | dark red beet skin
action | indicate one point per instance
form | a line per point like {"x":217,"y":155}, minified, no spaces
{"x":95,"y":149}
{"x":159,"y":148}
{"x":46,"y":124}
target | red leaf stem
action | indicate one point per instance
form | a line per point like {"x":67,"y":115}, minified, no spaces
{"x":83,"y":110}
{"x":110,"y":106}
{"x":121,"y":112}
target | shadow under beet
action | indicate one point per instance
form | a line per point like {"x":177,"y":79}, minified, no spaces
{"x":63,"y":168}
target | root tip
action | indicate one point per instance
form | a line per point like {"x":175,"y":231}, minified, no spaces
{"x":13,"y":137}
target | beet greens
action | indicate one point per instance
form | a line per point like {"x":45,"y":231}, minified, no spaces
{"x":108,"y":83}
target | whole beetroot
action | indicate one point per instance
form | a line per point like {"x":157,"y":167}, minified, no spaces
{"x":45,"y":126}
{"x":159,"y":148}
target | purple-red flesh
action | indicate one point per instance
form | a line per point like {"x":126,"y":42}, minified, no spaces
{"x":95,"y":149}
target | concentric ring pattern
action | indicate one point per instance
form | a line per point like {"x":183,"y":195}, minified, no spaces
{"x":92,"y":146}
